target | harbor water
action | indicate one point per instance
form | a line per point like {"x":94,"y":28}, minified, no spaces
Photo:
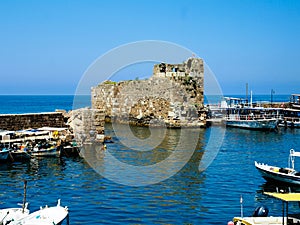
{"x":190,"y":196}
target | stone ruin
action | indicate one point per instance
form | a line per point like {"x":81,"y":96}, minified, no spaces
{"x":87,"y":125}
{"x":173,"y":96}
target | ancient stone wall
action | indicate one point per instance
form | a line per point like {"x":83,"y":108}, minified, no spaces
{"x":87,"y":125}
{"x":172,"y":96}
{"x":16,"y":122}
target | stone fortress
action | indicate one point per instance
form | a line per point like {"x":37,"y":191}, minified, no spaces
{"x":173,"y":96}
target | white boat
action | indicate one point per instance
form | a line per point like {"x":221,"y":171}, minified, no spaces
{"x":260,"y":215}
{"x":295,"y":101}
{"x":45,"y":216}
{"x":275,"y":173}
{"x":52,"y":151}
{"x":291,"y":118}
{"x":12,"y":214}
{"x":248,"y":122}
{"x":239,"y":113}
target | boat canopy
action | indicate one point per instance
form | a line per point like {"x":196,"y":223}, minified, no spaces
{"x":53,"y":128}
{"x":293,"y":153}
{"x":287,"y":197}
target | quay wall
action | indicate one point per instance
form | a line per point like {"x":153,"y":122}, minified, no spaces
{"x":14,"y":122}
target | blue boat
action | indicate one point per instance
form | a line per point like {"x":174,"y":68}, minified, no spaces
{"x":4,"y":153}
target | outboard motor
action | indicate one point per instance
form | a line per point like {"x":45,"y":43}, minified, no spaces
{"x":260,"y":211}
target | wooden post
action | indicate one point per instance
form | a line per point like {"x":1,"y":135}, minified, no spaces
{"x":24,"y":197}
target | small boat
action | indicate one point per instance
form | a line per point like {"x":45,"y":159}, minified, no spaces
{"x":4,"y":153}
{"x":12,"y":214}
{"x":291,"y":118}
{"x":45,"y":216}
{"x":260,"y":215}
{"x":45,"y":149}
{"x":275,"y":173}
{"x":295,"y":101}
{"x":45,"y":152}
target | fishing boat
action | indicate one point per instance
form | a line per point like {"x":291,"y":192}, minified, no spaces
{"x":12,"y":214}
{"x":45,"y":216}
{"x":295,"y":101}
{"x":260,"y":215}
{"x":19,"y":155}
{"x":46,"y":152}
{"x":45,"y":149}
{"x":281,"y":174}
{"x":4,"y":153}
{"x":291,"y":118}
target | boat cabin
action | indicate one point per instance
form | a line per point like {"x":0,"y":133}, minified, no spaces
{"x":295,"y":101}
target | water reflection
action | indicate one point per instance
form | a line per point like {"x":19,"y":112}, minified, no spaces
{"x":129,"y":166}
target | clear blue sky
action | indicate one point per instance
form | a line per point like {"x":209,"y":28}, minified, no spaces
{"x":47,"y":45}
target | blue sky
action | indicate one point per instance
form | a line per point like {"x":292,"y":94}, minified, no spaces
{"x":46,"y":46}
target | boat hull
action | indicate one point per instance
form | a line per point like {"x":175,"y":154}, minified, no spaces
{"x":12,"y":214}
{"x":45,"y":216}
{"x":53,"y":152}
{"x":273,"y":173}
{"x":295,"y":124}
{"x":262,"y":124}
{"x":19,"y":156}
{"x":4,"y":155}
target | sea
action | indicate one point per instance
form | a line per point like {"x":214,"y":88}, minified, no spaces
{"x":178,"y":191}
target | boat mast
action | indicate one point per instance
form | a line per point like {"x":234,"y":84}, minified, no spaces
{"x":24,"y":197}
{"x":241,"y":202}
{"x":247,"y":94}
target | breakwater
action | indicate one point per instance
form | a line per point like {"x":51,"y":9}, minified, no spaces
{"x":16,"y":122}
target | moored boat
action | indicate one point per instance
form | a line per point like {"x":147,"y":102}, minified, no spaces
{"x":291,"y":118}
{"x":261,"y":217}
{"x":239,"y":113}
{"x":45,"y":152}
{"x":19,"y":155}
{"x":4,"y":153}
{"x":247,"y":122}
{"x":12,"y":214}
{"x":45,"y":216}
{"x":281,"y":174}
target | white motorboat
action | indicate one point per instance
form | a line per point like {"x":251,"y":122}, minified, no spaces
{"x":12,"y":214}
{"x":45,"y":216}
{"x":275,"y":173}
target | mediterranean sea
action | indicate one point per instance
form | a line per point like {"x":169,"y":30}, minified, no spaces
{"x":190,"y":196}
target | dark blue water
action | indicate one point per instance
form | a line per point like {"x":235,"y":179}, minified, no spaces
{"x":10,"y":104}
{"x":49,"y":103}
{"x":188,"y":197}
